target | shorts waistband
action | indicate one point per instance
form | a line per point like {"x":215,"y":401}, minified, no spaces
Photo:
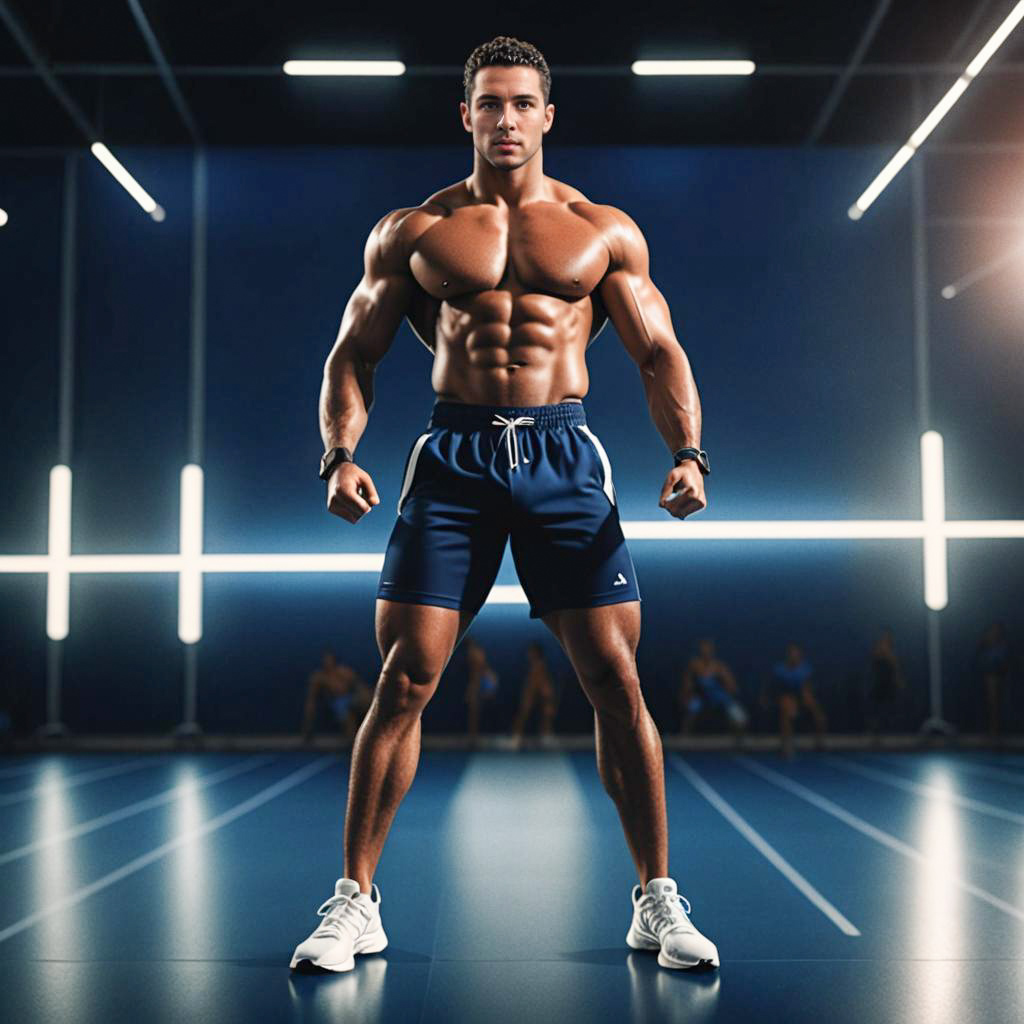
{"x":466,"y":416}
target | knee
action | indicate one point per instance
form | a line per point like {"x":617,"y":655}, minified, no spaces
{"x":407,"y":681}
{"x":614,"y":692}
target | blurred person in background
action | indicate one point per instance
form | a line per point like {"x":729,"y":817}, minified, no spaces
{"x":482,"y":685}
{"x":886,"y":682}
{"x":790,"y":688}
{"x":708,"y":688}
{"x":538,"y":689}
{"x":994,"y":663}
{"x":345,"y":692}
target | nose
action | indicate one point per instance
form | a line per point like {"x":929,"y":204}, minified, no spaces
{"x":505,"y":120}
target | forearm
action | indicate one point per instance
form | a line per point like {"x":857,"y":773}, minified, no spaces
{"x":346,"y":397}
{"x":672,"y":396}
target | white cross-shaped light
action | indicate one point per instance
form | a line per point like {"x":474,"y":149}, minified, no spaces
{"x":190,"y":563}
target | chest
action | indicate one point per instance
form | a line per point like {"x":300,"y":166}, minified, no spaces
{"x":544,"y":248}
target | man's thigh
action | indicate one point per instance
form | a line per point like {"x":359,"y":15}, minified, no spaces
{"x":418,"y":636}
{"x":597,"y":639}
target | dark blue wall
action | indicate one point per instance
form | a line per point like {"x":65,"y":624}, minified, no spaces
{"x":798,"y":324}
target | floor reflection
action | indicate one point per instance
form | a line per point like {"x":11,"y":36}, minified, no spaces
{"x":659,"y":995}
{"x":354,"y":995}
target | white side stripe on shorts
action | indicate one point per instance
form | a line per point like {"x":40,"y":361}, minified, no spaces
{"x":605,"y":464}
{"x":410,"y":469}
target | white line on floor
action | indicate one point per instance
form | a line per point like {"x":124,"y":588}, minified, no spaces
{"x":62,"y":782}
{"x":257,"y":800}
{"x":869,"y":830}
{"x":763,"y":846}
{"x":132,"y":809}
{"x":918,"y":789}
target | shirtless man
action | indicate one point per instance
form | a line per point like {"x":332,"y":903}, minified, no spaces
{"x":507,"y":276}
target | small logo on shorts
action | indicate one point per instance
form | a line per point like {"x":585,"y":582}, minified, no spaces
{"x":621,"y":581}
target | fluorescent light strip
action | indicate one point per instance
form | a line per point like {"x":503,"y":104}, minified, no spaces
{"x":933,"y":528}
{"x":933,"y":513}
{"x":58,"y":577}
{"x":693,"y":67}
{"x":127,"y":182}
{"x":951,"y":291}
{"x":927,"y":126}
{"x":343,"y":67}
{"x":190,"y":582}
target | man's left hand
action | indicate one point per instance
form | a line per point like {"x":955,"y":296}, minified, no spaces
{"x":683,"y":492}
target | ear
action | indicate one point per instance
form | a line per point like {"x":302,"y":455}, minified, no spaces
{"x":464,"y":114}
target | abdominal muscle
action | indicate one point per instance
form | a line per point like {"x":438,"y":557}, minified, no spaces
{"x":533,"y":363}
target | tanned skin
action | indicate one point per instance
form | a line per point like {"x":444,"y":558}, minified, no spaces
{"x":507,"y":276}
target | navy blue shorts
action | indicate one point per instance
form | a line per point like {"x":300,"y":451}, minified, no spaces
{"x":482,"y":474}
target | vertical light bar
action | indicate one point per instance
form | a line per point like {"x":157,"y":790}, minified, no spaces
{"x":190,"y":580}
{"x":58,"y":577}
{"x":933,"y":512}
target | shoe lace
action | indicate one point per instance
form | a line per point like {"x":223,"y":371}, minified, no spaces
{"x":668,"y":911}
{"x":342,"y":912}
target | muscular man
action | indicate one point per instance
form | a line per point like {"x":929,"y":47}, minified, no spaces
{"x":507,"y":276}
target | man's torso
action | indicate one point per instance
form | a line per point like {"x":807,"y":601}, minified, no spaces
{"x":507,"y":298}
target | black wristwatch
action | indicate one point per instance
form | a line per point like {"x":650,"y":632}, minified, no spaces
{"x":331,"y":459}
{"x":699,"y":456}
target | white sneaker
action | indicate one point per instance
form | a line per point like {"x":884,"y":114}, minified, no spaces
{"x":661,"y":922}
{"x":351,"y":924}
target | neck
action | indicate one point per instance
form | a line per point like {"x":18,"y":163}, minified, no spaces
{"x":516,"y":187}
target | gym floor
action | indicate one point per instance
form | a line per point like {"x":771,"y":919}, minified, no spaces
{"x":173,"y":887}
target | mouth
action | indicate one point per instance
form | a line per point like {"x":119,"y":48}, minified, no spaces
{"x":505,"y":144}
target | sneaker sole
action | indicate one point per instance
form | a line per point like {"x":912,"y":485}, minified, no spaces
{"x":637,"y":940}
{"x":681,"y":965}
{"x":305,"y":965}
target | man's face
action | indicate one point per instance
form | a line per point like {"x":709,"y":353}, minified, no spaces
{"x":507,"y":104}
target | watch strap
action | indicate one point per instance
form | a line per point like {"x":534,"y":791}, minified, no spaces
{"x":331,"y":459}
{"x":697,"y":454}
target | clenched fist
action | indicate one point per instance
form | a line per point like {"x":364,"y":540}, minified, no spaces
{"x":683,"y":491}
{"x":350,"y":492}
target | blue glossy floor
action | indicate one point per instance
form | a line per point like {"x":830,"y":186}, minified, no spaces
{"x":173,"y":887}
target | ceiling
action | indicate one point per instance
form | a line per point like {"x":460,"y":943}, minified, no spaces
{"x":227,"y":54}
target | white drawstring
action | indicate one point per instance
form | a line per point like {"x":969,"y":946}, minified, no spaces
{"x":509,"y":433}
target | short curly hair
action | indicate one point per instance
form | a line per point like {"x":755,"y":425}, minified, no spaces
{"x":506,"y":51}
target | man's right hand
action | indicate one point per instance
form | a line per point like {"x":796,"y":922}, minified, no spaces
{"x":350,"y":492}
